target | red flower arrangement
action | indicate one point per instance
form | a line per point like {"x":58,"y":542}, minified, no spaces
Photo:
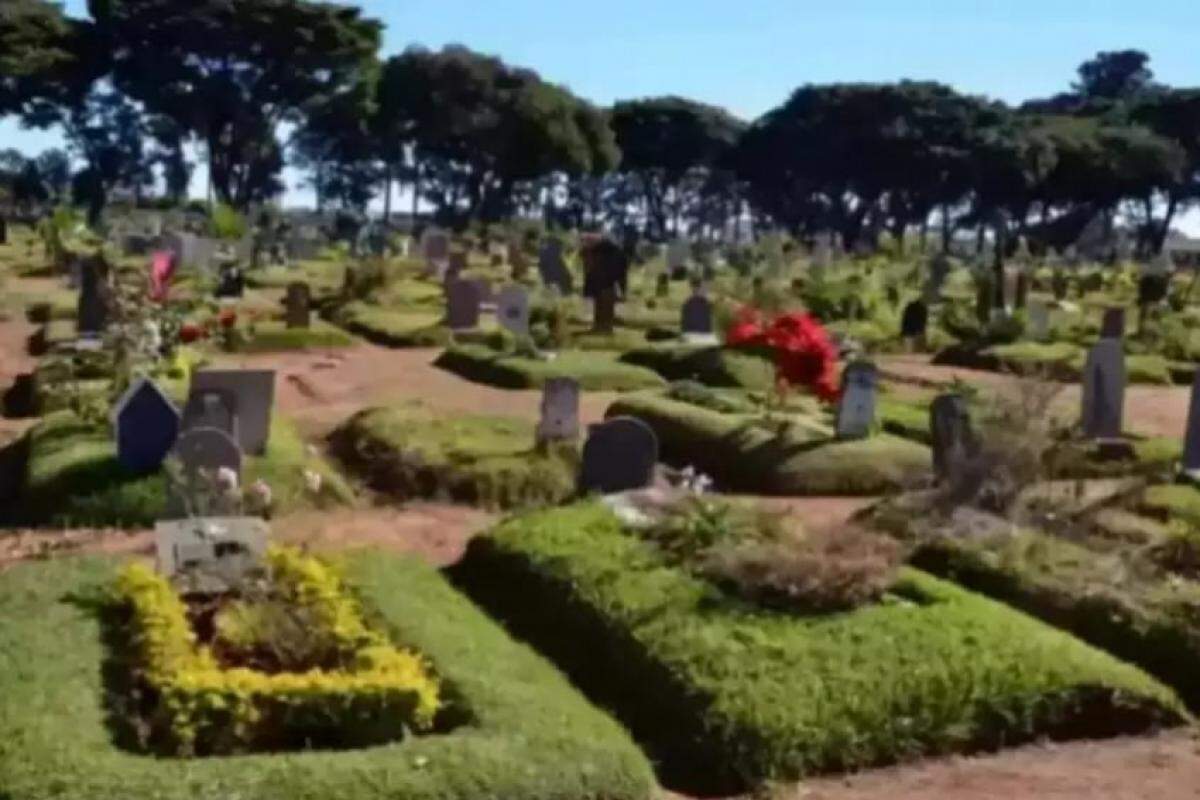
{"x":190,"y":332}
{"x":804,"y":354}
{"x":228,"y":318}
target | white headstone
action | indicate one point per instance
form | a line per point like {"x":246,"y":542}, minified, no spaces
{"x":560,"y":410}
{"x":512,"y":310}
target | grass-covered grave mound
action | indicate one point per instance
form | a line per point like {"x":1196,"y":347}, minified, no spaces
{"x":594,"y":370}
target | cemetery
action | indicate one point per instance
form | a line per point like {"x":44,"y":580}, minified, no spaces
{"x":649,"y":452}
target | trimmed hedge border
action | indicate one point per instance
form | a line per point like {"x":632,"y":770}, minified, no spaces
{"x":713,"y":366}
{"x":594,"y":371}
{"x":527,"y":734}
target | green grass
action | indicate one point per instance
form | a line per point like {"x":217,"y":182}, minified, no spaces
{"x":715,"y":366}
{"x":743,"y":455}
{"x":730,"y":695}
{"x":322,"y":275}
{"x":275,"y":336}
{"x":1061,"y":361}
{"x":410,"y":451}
{"x":61,"y":304}
{"x":73,"y":478}
{"x":595,"y":371}
{"x":528,"y":734}
{"x":1173,"y":501}
{"x":393,"y":328}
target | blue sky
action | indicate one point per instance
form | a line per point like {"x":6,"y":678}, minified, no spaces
{"x":748,"y":55}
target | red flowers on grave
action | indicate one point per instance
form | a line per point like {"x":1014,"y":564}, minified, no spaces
{"x":228,"y":318}
{"x":190,"y":332}
{"x":804,"y":354}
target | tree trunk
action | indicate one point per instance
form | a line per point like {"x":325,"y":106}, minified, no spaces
{"x":387,"y":193}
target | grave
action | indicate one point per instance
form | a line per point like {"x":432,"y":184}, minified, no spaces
{"x":203,"y":453}
{"x":1039,"y":320}
{"x":1104,"y":391}
{"x":553,"y":268}
{"x":914,"y":320}
{"x":1191,"y":437}
{"x":604,"y":310}
{"x":145,"y":425}
{"x":560,"y":411}
{"x":619,"y":455}
{"x":238,"y":401}
{"x":435,"y":249}
{"x":679,"y":254}
{"x":462,"y":305}
{"x":299,"y":299}
{"x":951,"y":435}
{"x":1113,"y":325}
{"x":512,"y":310}
{"x":457,"y":265}
{"x":856,"y":410}
{"x":210,"y":555}
{"x":231,"y":283}
{"x":94,"y":305}
{"x":696,"y":316}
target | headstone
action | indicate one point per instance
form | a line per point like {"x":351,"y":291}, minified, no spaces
{"x":204,"y":453}
{"x":560,"y":411}
{"x":303,"y":247}
{"x":462,"y":305}
{"x":914,"y":320}
{"x":1113,"y":326}
{"x":517,"y":260}
{"x":1153,"y":288}
{"x":146,"y":425}
{"x":512,"y":310}
{"x":3,"y":230}
{"x":697,"y":315}
{"x":243,"y":400}
{"x":604,"y":310}
{"x":856,"y":411}
{"x":1059,"y":284}
{"x":457,"y":265}
{"x":93,"y":308}
{"x":1191,"y":438}
{"x":678,"y":254}
{"x":1039,"y":320}
{"x":210,"y":555}
{"x":231,"y":283}
{"x":299,"y":298}
{"x":435,"y":249}
{"x":939,"y":270}
{"x":1021,"y":298}
{"x":951,"y":435}
{"x":619,"y":455}
{"x":1104,"y":390}
{"x":552,"y":267}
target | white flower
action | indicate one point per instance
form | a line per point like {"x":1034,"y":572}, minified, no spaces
{"x":227,"y":479}
{"x":702,"y":484}
{"x":312,"y":480}
{"x":262,"y":492}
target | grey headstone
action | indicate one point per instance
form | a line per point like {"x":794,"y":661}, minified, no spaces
{"x":512,"y":310}
{"x":604,"y":313}
{"x":299,"y":299}
{"x":1104,"y":390}
{"x":1039,"y":320}
{"x":1113,"y":325}
{"x":435,"y":249}
{"x":697,"y":315}
{"x":210,"y":554}
{"x":1191,"y":438}
{"x":952,"y":437}
{"x":679,"y":253}
{"x":914,"y":320}
{"x":457,"y":265}
{"x":211,"y":409}
{"x":462,"y":305}
{"x":93,"y":308}
{"x":247,"y":394}
{"x":553,"y":268}
{"x":856,"y":411}
{"x":560,"y":410}
{"x":146,"y":425}
{"x":619,"y":455}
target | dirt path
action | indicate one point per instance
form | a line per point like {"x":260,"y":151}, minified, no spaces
{"x":321,"y":388}
{"x":1149,"y":410}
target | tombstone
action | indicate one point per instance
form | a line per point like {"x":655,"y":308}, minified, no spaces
{"x":517,"y":260}
{"x":619,"y":455}
{"x":240,"y":400}
{"x":914,"y":320}
{"x":604,"y":310}
{"x":560,"y":411}
{"x":483,"y":287}
{"x":951,"y":435}
{"x":1113,"y":325}
{"x":697,"y":316}
{"x":462,"y":305}
{"x":1104,"y":390}
{"x":662,"y":286}
{"x":1021,"y":298}
{"x":822,"y":255}
{"x":299,"y":299}
{"x":303,"y":247}
{"x":203,"y":453}
{"x":457,"y":265}
{"x":512,"y":310}
{"x":856,"y":411}
{"x":1191,"y":438}
{"x":1059,"y":284}
{"x":210,"y":555}
{"x":146,"y":425}
{"x":1153,"y":288}
{"x":1039,"y":320}
{"x":231,"y":283}
{"x":552,"y":267}
{"x":435,"y":249}
{"x":678,"y":254}
{"x":94,"y":305}
{"x":3,"y":230}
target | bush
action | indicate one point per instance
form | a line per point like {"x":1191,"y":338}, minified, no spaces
{"x":749,"y":368}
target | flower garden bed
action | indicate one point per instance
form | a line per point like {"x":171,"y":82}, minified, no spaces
{"x":728,"y":694}
{"x":409,"y":451}
{"x":595,"y":371}
{"x":522,"y":731}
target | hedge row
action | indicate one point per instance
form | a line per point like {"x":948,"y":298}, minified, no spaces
{"x":713,"y":366}
{"x":595,"y":371}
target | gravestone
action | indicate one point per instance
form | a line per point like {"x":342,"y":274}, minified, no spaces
{"x":517,"y":260}
{"x":914,"y":320}
{"x":553,"y":268}
{"x":512,"y":310}
{"x":146,"y":425}
{"x":462,"y":305}
{"x":697,"y":315}
{"x":231,"y":282}
{"x":457,"y":265}
{"x":604,"y":310}
{"x":678,"y":254}
{"x":619,"y":455}
{"x":203,"y":453}
{"x":951,"y":434}
{"x":302,"y":247}
{"x":435,"y":249}
{"x":1021,"y":299}
{"x":94,"y":305}
{"x":1104,"y":390}
{"x":560,"y":411}
{"x":1153,"y":288}
{"x":240,"y":399}
{"x":1113,"y":325}
{"x":856,"y":411}
{"x":1191,"y":438}
{"x":1039,"y":320}
{"x":210,"y":555}
{"x":483,"y":288}
{"x":299,"y":299}
{"x":1059,"y":284}
{"x":3,"y":230}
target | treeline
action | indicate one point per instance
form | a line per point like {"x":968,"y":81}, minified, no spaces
{"x":256,"y":84}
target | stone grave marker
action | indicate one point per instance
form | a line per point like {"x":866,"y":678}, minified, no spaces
{"x":94,"y":305}
{"x":679,"y":253}
{"x":914,"y":320}
{"x":462,"y":305}
{"x":697,"y":315}
{"x":604,"y":310}
{"x":1039,"y":320}
{"x":1104,"y":390}
{"x":1191,"y":438}
{"x":231,"y":283}
{"x":1113,"y":325}
{"x":553,"y":268}
{"x":146,"y":425}
{"x":512,"y":310}
{"x":435,"y":249}
{"x":299,"y":299}
{"x":1153,"y":288}
{"x":951,"y":434}
{"x":560,"y":411}
{"x":203,"y":453}
{"x":939,"y":270}
{"x":457,"y":264}
{"x":3,"y":230}
{"x":619,"y":455}
{"x":210,"y":555}
{"x":856,"y":411}
{"x":241,"y":399}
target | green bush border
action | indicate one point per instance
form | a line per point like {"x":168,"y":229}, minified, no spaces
{"x":595,"y":371}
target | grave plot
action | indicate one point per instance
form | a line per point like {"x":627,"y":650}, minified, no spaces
{"x":594,"y":370}
{"x":740,"y":654}
{"x":484,"y":715}
{"x":412,"y":451}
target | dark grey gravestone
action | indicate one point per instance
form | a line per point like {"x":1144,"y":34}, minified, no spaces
{"x":216,"y":408}
{"x":553,"y":268}
{"x":93,"y":308}
{"x":697,"y":315}
{"x":1104,"y":390}
{"x":1113,"y":326}
{"x":483,"y":287}
{"x":231,"y":283}
{"x":914,"y":320}
{"x":146,"y":425}
{"x":856,"y":411}
{"x":249,"y":396}
{"x":299,"y":300}
{"x":458,"y":264}
{"x":210,"y":555}
{"x":939,"y":270}
{"x":619,"y":456}
{"x":512,"y":310}
{"x":207,"y":449}
{"x":3,"y":231}
{"x":462,"y":305}
{"x":604,"y":314}
{"x":952,"y":437}
{"x":435,"y":249}
{"x":560,"y":411}
{"x":1191,"y":439}
{"x":1153,"y":288}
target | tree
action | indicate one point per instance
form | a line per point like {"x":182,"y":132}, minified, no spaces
{"x":55,"y":168}
{"x":667,"y":146}
{"x":231,"y":72}
{"x":1114,"y":75}
{"x":1174,"y":115}
{"x":109,"y":133}
{"x":45,"y":58}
